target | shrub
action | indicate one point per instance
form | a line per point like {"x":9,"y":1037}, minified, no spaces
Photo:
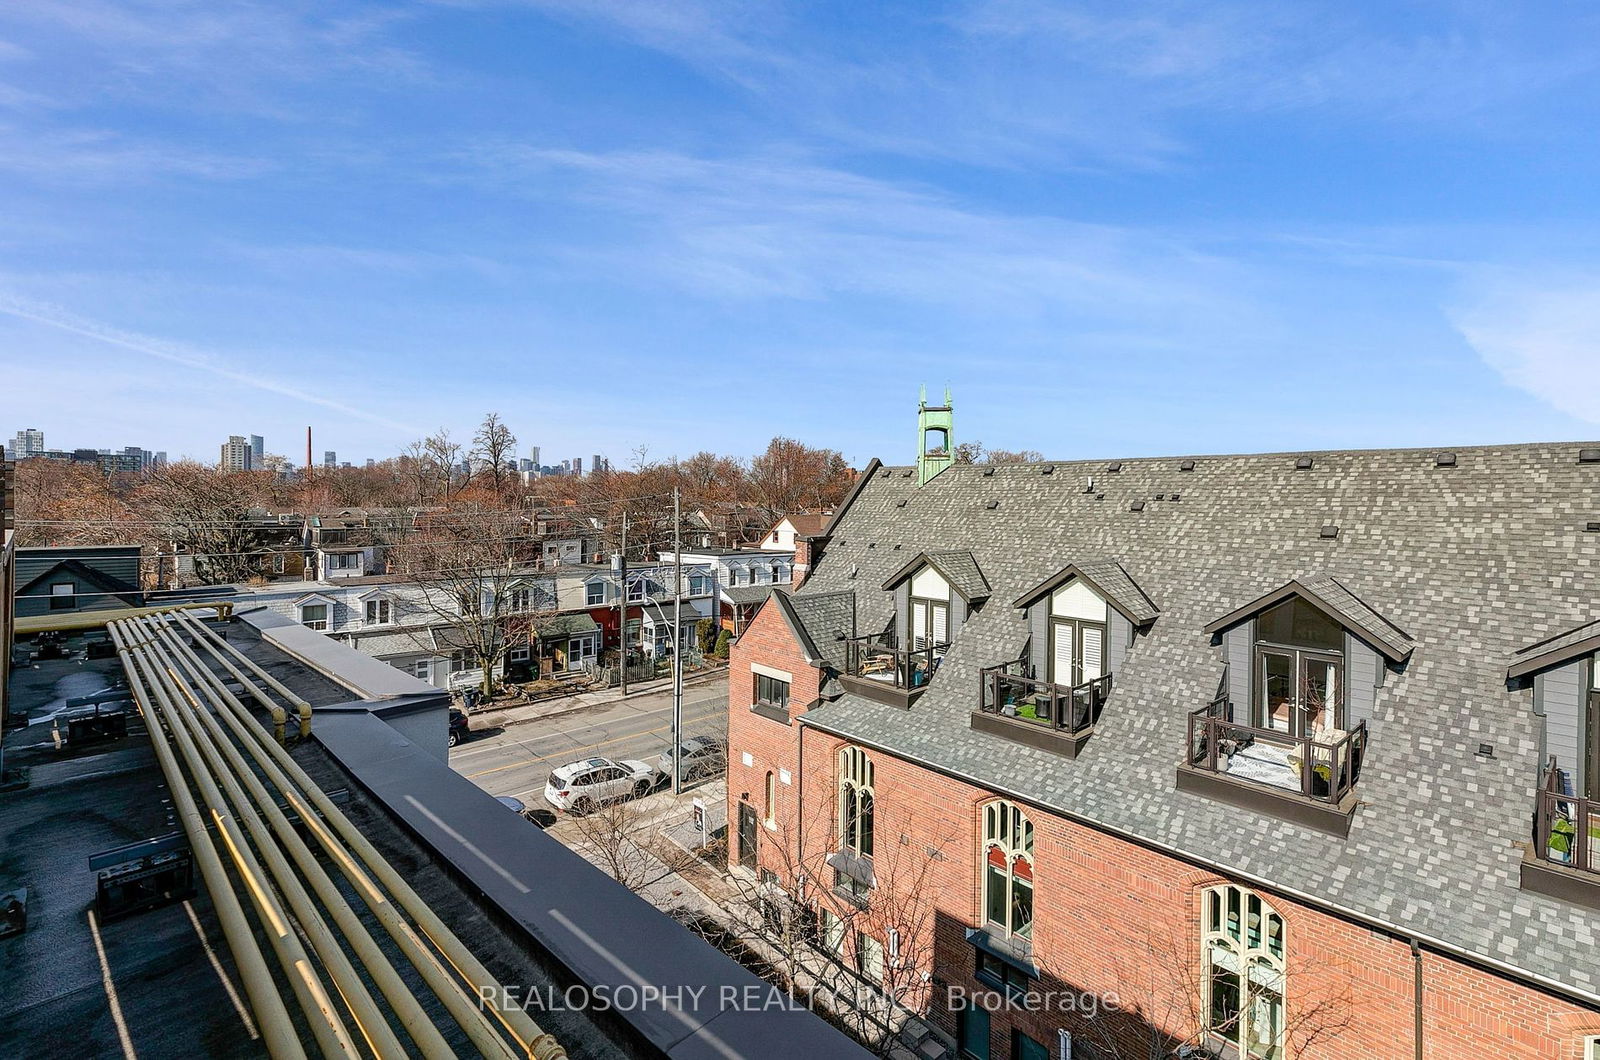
{"x":721,"y":650}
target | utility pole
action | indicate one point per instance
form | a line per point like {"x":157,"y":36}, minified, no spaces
{"x":622,"y":605}
{"x":677,"y":643}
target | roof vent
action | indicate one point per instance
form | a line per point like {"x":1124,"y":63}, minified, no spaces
{"x":992,"y":505}
{"x":1048,"y":469}
{"x":1175,"y":497}
{"x":1593,"y":528}
{"x":1114,"y":466}
{"x":1136,"y":506}
{"x":1161,"y":496}
{"x":1329,"y":532}
{"x":1187,"y":465}
{"x":1099,"y":496}
{"x":901,"y":503}
{"x":1303,"y":464}
{"x":1089,"y":487}
{"x":988,"y":472}
{"x":907,"y":473}
{"x":897,"y":548}
{"x":1589,"y":456}
{"x":872,"y":544}
{"x":1444,"y":460}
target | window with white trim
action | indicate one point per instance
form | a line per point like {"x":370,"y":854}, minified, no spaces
{"x":379,"y":611}
{"x":1591,"y":1048}
{"x":1242,"y":972}
{"x":519,"y":600}
{"x":314,"y":616}
{"x":855,"y":801}
{"x":699,"y":585}
{"x":594,"y":593}
{"x":422,"y":668}
{"x":63,"y":596}
{"x":1008,"y":869}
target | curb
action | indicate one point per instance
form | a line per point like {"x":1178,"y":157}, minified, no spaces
{"x":508,"y":723}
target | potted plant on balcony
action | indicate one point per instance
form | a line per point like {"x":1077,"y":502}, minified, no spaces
{"x":1562,"y":833}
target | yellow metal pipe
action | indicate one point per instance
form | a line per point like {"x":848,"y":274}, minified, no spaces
{"x":369,"y":1018}
{"x":400,"y":996}
{"x":266,"y":1003}
{"x":78,"y":621}
{"x":517,"y":1022}
{"x":326,"y":1025}
{"x":211,"y":641}
{"x":465,"y":1007}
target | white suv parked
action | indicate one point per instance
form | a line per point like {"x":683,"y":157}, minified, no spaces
{"x":582,"y":786}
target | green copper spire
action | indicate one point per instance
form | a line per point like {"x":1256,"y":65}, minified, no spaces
{"x":935,"y":447}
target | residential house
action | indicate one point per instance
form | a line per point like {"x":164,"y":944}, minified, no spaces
{"x":1296,"y":754}
{"x":744,"y":579}
{"x":791,"y":528}
{"x":567,"y":538}
{"x":77,"y":578}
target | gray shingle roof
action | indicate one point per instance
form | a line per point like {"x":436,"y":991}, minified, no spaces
{"x":958,"y":566}
{"x":1552,"y":651}
{"x":825,"y":620}
{"x":1334,"y":597}
{"x":1473,"y":562}
{"x":1110,"y":578}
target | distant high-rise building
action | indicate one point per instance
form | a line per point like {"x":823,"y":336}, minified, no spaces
{"x":533,"y":454}
{"x":371,"y":462}
{"x":577,"y":466}
{"x":161,"y":459}
{"x":258,"y":450}
{"x":596,"y":464}
{"x":236,"y":454}
{"x":28,"y":442}
{"x":566,"y":467}
{"x":330,"y":458}
{"x":526,"y":465}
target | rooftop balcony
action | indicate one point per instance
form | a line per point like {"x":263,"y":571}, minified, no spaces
{"x":1565,"y":861}
{"x":1052,"y":717}
{"x":876,"y":666}
{"x":1307,"y":779}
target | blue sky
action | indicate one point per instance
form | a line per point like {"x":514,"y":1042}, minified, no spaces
{"x":1112,"y":228}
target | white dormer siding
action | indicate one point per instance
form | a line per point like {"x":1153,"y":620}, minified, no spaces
{"x":1077,"y":633}
{"x":1560,"y":696}
{"x":930,"y":585}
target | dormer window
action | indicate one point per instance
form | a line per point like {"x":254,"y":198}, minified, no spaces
{"x":1287,"y":730}
{"x":378,"y":611}
{"x":1082,"y":621}
{"x":1299,"y":681}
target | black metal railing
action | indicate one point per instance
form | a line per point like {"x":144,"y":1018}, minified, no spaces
{"x":1321,"y":768}
{"x":879,"y":657}
{"x":1566,"y":827}
{"x":1008,"y":691}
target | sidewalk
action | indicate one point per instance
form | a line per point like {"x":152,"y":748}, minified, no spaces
{"x":555,"y":707}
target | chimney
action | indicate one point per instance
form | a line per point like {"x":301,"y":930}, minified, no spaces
{"x":308,"y":454}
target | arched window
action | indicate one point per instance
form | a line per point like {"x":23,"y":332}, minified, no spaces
{"x":1008,"y":869}
{"x":770,"y":801}
{"x":855,"y":801}
{"x":1242,"y":950}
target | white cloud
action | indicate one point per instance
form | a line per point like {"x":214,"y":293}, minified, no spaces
{"x":1542,"y":338}
{"x":178,"y":354}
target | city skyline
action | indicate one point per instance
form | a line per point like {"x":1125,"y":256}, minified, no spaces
{"x":1191,"y":224}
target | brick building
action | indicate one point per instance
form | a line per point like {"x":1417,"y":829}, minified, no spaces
{"x":1272,"y":756}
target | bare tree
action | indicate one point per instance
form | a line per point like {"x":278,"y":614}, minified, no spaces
{"x":493,"y":445}
{"x":625,"y":838}
{"x":792,"y":477}
{"x":473,"y":564}
{"x":443,"y":459}
{"x":201,"y":511}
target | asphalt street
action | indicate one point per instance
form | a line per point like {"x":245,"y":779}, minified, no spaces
{"x":517,"y":760}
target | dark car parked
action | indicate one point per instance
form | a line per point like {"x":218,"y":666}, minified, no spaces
{"x":459,"y":729}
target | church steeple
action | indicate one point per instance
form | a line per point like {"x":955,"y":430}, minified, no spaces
{"x":935,"y":447}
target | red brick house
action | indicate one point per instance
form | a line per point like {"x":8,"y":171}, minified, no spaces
{"x":1270,"y":756}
